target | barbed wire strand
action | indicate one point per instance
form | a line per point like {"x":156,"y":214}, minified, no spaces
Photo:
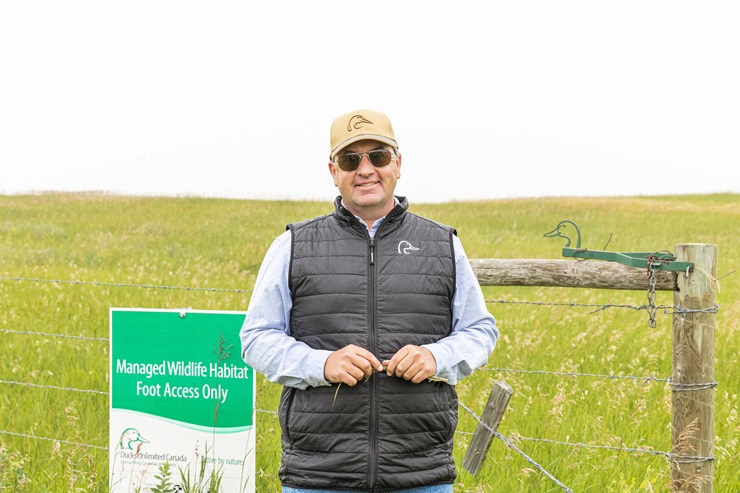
{"x":600,"y":306}
{"x":53,"y":387}
{"x":667,"y":309}
{"x":47,"y":334}
{"x":511,"y":445}
{"x":123,"y":285}
{"x":35,"y":437}
{"x":641,"y":380}
{"x":668,"y":455}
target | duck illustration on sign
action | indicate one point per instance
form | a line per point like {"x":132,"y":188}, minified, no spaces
{"x":131,"y":439}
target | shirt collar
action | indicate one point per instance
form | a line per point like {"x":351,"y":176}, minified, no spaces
{"x":377,"y":222}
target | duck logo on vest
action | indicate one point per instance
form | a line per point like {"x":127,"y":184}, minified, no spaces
{"x":405,"y":247}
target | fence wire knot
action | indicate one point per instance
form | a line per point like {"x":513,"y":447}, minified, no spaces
{"x":688,"y":459}
{"x":682,"y":310}
{"x":691,"y":387}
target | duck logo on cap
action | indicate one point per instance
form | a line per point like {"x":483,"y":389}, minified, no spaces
{"x":356,"y":122}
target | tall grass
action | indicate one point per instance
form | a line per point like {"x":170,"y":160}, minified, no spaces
{"x":195,"y":242}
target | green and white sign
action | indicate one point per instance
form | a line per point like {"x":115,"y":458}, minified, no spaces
{"x":182,"y":402}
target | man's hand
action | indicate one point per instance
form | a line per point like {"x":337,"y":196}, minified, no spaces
{"x":413,"y":363}
{"x":350,"y":364}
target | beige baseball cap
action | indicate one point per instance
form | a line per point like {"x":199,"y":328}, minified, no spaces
{"x":360,"y":125}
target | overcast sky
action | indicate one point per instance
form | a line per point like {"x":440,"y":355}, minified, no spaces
{"x":488,"y":99}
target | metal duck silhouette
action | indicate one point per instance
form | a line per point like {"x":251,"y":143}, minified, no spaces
{"x":558,"y":231}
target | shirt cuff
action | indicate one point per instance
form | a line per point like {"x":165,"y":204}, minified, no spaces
{"x":443,"y":366}
{"x":315,"y":364}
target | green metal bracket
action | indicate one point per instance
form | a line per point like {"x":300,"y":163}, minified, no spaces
{"x":659,"y":260}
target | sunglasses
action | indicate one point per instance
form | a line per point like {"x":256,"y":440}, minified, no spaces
{"x":351,"y":160}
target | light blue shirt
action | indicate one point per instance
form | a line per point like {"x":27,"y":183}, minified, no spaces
{"x":268,"y":347}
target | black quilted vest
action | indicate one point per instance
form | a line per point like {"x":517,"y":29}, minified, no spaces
{"x":384,"y":433}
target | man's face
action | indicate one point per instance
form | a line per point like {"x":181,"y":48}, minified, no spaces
{"x":368,"y":190}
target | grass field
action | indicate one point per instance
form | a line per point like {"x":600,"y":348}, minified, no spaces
{"x":195,"y":242}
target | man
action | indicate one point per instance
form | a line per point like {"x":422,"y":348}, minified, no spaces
{"x":360,"y":314}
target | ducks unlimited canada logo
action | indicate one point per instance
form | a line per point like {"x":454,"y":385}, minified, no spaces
{"x":131,"y":446}
{"x":135,"y":462}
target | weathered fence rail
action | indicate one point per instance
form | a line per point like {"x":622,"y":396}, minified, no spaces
{"x":567,"y":273}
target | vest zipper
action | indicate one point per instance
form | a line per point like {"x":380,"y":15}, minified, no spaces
{"x":373,"y":463}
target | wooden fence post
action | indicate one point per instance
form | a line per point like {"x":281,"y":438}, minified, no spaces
{"x":483,"y":436}
{"x":693,"y":370}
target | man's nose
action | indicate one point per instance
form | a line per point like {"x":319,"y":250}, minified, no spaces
{"x":365,"y":167}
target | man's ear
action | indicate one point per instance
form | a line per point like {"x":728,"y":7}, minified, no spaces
{"x":333,"y":171}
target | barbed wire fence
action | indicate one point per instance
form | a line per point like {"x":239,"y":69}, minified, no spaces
{"x":510,"y":442}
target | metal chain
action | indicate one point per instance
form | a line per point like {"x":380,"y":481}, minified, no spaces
{"x":652,"y":280}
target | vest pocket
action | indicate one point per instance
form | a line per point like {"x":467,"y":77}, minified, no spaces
{"x":286,"y":404}
{"x":453,"y":410}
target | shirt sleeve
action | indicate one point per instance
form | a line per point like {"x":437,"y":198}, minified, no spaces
{"x":265,"y":336}
{"x":474,"y":332}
